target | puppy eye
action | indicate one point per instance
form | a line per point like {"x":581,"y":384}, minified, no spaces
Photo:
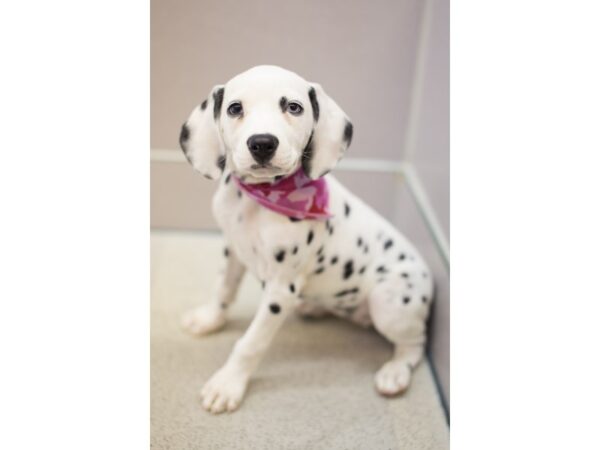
{"x":295,"y":108}
{"x":235,"y":109}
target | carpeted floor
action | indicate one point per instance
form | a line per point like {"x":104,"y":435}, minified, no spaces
{"x":314,"y":390}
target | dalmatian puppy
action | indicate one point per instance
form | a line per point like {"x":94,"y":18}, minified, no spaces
{"x":264,"y":129}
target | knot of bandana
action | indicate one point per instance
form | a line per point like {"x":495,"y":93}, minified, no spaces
{"x":296,"y":196}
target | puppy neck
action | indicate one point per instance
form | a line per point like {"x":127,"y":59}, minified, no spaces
{"x":295,"y":196}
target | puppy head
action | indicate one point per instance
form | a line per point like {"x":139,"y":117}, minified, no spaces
{"x":266,"y":122}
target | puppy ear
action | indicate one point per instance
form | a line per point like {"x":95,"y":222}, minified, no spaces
{"x":200,"y":139}
{"x":331,"y":136}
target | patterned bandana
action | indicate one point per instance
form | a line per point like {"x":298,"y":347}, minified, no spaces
{"x":296,"y":196}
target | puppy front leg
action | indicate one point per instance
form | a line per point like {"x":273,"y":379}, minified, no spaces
{"x":225,"y":390}
{"x":211,"y":316}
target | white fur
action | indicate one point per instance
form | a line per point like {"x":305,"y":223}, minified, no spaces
{"x":395,"y":300}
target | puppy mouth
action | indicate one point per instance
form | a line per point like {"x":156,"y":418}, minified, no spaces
{"x":266,"y":170}
{"x":264,"y":173}
{"x":256,"y":171}
{"x":267,"y":166}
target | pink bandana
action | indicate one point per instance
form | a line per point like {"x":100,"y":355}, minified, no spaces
{"x":295,"y":196}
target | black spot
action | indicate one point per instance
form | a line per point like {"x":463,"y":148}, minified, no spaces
{"x":319,"y":270}
{"x":294,"y":219}
{"x":184,"y":135}
{"x":424,"y":299}
{"x":223,"y":305}
{"x":324,"y":173}
{"x":406,"y":300}
{"x":227,"y":178}
{"x":295,"y":250}
{"x":307,"y":155}
{"x":292,"y":288}
{"x":346,"y":292}
{"x":320,"y":251}
{"x":366,"y":249}
{"x":346,"y":209}
{"x":239,"y":193}
{"x":218,"y":98}
{"x":183,"y":138}
{"x":203,"y":105}
{"x":263,"y":284}
{"x":348,"y":130}
{"x":388,"y":244}
{"x":221,"y":162}
{"x":330,"y":230}
{"x":280,"y":256}
{"x":359,"y":242}
{"x":381,"y":269}
{"x":321,"y":259}
{"x":275,"y":308}
{"x":277,"y":177}
{"x":348,"y":269}
{"x":409,"y":286}
{"x":283,"y":103}
{"x":226,"y":252}
{"x":334,"y":260}
{"x":404,"y":275}
{"x":207,"y":176}
{"x":310,"y":237}
{"x":401,"y":257}
{"x":362,"y":270}
{"x":312,"y":95}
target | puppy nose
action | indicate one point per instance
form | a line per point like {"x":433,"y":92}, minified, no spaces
{"x":262,"y":147}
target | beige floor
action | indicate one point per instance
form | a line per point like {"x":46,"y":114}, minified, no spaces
{"x":313,"y":391}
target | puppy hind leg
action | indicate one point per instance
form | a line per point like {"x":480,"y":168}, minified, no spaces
{"x":399,"y":317}
{"x":394,"y":376}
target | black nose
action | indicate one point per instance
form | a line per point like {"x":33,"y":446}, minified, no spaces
{"x":262,"y":147}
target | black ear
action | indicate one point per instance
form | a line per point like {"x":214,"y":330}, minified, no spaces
{"x":331,"y":137}
{"x":199,"y":137}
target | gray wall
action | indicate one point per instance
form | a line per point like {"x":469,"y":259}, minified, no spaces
{"x":432,"y":144}
{"x":362,"y":52}
{"x":431,"y":157}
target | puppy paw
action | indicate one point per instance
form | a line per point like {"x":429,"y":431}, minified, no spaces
{"x":203,"y":320}
{"x":393,"y":378}
{"x":224,"y":391}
